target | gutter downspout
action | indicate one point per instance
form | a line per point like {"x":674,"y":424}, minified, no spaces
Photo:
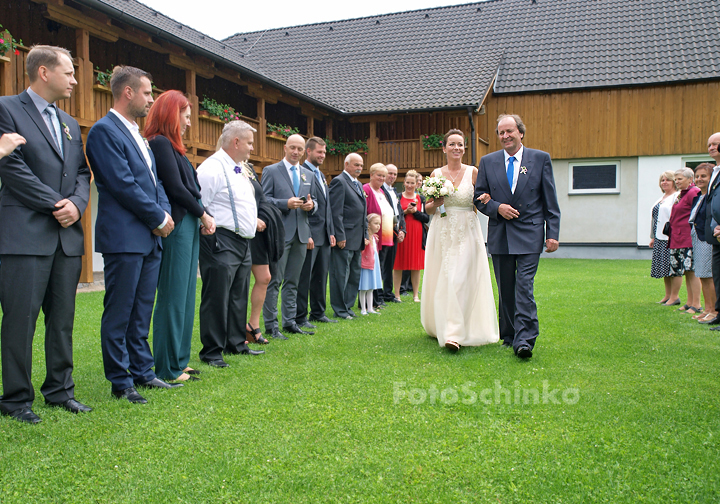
{"x":473,"y":140}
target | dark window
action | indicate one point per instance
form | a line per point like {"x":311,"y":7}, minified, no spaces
{"x":595,"y":177}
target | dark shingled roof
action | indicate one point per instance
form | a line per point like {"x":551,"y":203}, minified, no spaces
{"x":447,"y":57}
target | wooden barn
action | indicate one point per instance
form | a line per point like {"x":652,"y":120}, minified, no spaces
{"x":616,"y":91}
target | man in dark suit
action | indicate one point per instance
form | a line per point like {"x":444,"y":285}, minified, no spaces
{"x":712,"y":204}
{"x":386,"y":255}
{"x":133,"y":214}
{"x":349,"y":212}
{"x":289,"y":187}
{"x":45,"y":189}
{"x":225,"y":259}
{"x":314,"y":275}
{"x":524,"y":214}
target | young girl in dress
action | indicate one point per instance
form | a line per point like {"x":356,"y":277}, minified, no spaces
{"x":370,"y":276}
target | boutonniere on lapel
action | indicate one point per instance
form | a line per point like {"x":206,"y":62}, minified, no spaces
{"x":523,"y":170}
{"x":303,"y":177}
{"x":66,"y":130}
{"x":147,"y":144}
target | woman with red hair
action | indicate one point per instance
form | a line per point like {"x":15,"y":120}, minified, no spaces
{"x":174,"y":315}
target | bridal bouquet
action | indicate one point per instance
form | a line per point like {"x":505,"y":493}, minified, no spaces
{"x":437,"y":187}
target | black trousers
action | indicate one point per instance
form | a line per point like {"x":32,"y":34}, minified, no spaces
{"x":225,"y":265}
{"x":386,"y":257}
{"x":716,"y":273}
{"x":27,"y":284}
{"x":313,"y":284}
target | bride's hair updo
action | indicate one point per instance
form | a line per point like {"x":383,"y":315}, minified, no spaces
{"x":453,"y":132}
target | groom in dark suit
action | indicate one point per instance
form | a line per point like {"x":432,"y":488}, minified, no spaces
{"x":45,"y":189}
{"x":524,"y":214}
{"x":133,"y":214}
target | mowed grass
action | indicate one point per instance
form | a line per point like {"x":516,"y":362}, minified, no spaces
{"x":619,"y":404}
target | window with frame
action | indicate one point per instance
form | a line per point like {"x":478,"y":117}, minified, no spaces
{"x":595,"y":177}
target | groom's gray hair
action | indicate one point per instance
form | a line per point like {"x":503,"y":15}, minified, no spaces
{"x":519,"y":122}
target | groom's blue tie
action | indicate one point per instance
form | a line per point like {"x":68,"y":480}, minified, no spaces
{"x":511,"y":170}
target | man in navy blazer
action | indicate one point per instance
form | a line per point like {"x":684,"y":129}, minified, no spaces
{"x":279,"y":183}
{"x":45,"y":190}
{"x":314,"y":275}
{"x":349,"y":211}
{"x":524,"y":214}
{"x":133,"y":214}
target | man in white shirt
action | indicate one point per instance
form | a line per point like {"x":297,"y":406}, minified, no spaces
{"x":133,"y":214}
{"x":225,"y":260}
{"x":386,"y":255}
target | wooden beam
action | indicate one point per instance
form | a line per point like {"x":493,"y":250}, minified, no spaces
{"x":76,"y":19}
{"x":185,"y":63}
{"x":191,"y":91}
{"x":369,"y":118}
{"x":262,"y":128}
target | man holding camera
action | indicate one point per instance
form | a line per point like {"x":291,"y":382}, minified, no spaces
{"x":290,"y":187}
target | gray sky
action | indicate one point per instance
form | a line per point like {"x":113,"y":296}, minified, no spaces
{"x":208,"y":16}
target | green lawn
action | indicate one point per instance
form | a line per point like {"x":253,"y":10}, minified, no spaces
{"x":621,"y":403}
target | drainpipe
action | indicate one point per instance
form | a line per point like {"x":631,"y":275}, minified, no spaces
{"x":473,"y":140}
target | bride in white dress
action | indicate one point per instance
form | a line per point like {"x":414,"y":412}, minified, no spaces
{"x":457,"y":307}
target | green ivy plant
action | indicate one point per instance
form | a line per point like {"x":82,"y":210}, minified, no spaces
{"x":8,"y":43}
{"x":433,"y":141}
{"x":282,"y":129}
{"x":344,"y":147}
{"x":221,"y":110}
{"x":103,"y":78}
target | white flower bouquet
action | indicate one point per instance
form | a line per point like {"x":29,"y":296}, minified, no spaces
{"x":437,"y":187}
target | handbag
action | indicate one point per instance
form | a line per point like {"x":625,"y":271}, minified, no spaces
{"x":666,"y":229}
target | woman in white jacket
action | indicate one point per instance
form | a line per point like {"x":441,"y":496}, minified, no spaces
{"x":658,"y":240}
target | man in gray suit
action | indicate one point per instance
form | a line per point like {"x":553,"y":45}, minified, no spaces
{"x":45,"y":189}
{"x":314,"y":276}
{"x":289,"y":187}
{"x":349,"y":212}
{"x":524,"y":214}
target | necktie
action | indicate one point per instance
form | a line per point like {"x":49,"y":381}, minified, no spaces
{"x":295,"y":180}
{"x":320,"y":179}
{"x":511,"y":171}
{"x":358,"y":189}
{"x":55,"y":130}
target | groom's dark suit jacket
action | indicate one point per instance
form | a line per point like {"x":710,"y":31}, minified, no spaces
{"x":534,"y":198}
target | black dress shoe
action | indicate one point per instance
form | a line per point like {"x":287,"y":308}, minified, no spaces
{"x":159,"y":384}
{"x":307,"y":324}
{"x":294,"y":329}
{"x":395,"y":300}
{"x":324,"y":320}
{"x":716,"y":328}
{"x":24,"y":415}
{"x":524,"y":352}
{"x":216,"y":363}
{"x":130,"y":394}
{"x":276,"y":334}
{"x":71,"y":405}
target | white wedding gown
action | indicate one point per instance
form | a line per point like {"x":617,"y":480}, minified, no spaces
{"x":457,"y":298}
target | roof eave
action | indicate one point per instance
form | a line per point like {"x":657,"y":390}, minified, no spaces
{"x":124,"y":16}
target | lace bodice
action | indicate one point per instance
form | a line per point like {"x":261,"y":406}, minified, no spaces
{"x":463,"y":197}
